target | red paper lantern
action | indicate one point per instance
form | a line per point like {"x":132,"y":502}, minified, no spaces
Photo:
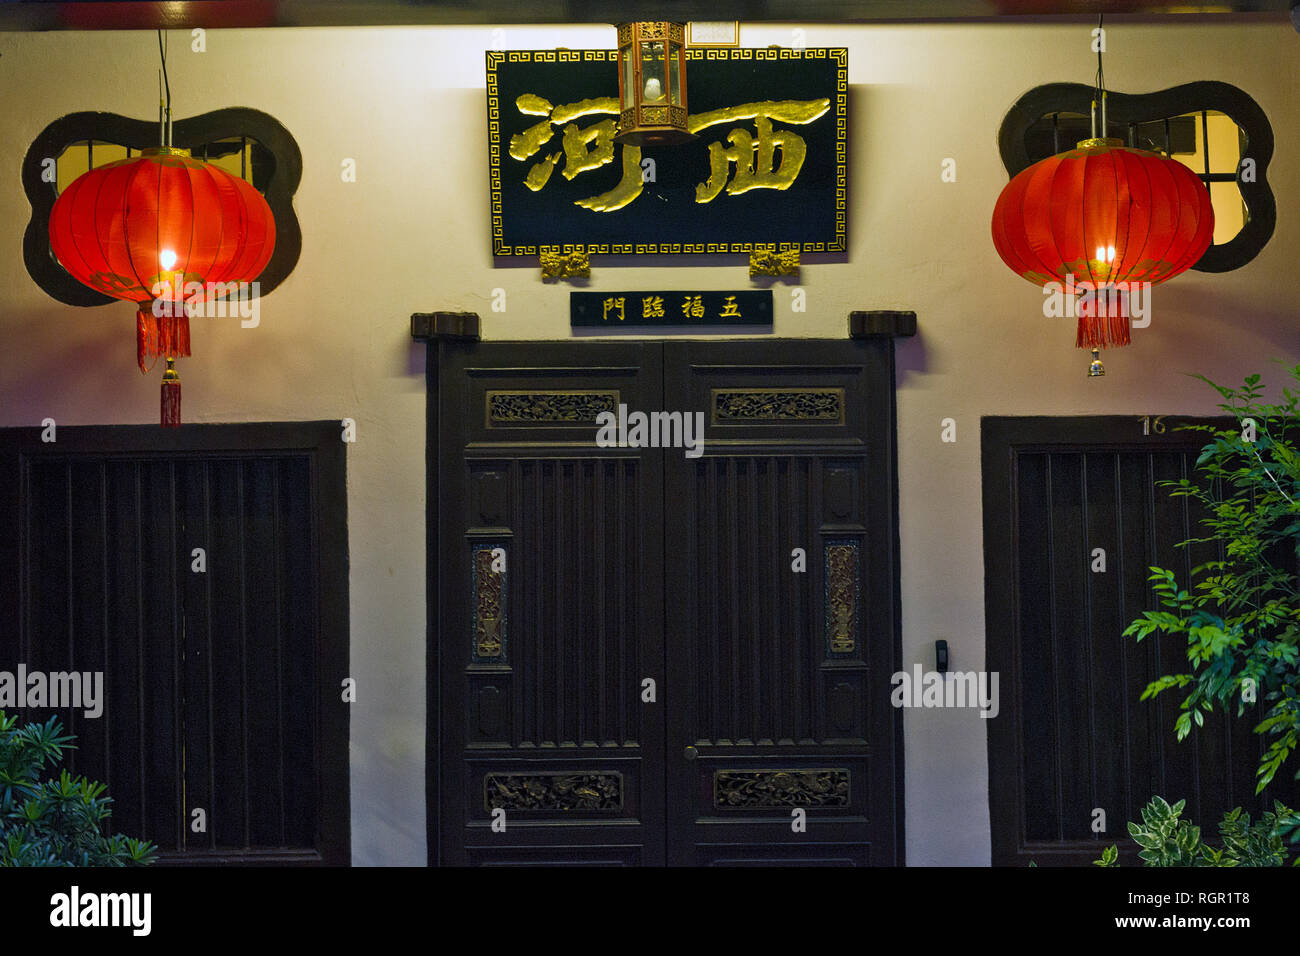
{"x":147,"y":229}
{"x":1107,"y":215}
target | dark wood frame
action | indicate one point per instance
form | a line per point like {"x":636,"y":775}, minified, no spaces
{"x":140,"y":134}
{"x":1001,"y":440}
{"x":322,"y":442}
{"x":1127,"y":109}
{"x":444,"y":331}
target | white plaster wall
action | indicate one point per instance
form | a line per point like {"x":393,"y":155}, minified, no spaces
{"x":412,"y":235}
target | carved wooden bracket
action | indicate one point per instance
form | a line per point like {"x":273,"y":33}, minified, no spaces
{"x":445,"y":325}
{"x":881,"y":324}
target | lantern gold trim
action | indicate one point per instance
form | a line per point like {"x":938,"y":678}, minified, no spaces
{"x":1099,"y":141}
{"x":1095,"y":368}
{"x":652,"y":84}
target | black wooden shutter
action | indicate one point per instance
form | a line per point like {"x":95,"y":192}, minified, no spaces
{"x":221,"y":687}
{"x":1072,"y":735}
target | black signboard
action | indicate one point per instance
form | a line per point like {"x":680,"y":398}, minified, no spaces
{"x":623,"y":309}
{"x":767,"y":169}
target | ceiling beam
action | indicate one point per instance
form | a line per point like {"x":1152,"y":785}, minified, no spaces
{"x":213,"y":14}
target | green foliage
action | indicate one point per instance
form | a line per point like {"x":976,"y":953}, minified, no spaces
{"x":54,"y":822}
{"x":1240,"y":616}
{"x":1168,"y":840}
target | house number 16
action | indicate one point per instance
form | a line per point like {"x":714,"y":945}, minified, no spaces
{"x":1156,"y":424}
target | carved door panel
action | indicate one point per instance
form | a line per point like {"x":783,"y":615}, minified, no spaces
{"x":779,"y":659}
{"x":558,"y":545}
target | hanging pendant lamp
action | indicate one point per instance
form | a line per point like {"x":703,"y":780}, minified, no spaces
{"x":162,"y":229}
{"x":652,"y":84}
{"x":1103,"y":216}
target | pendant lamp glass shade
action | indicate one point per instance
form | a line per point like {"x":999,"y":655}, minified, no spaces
{"x":652,"y":84}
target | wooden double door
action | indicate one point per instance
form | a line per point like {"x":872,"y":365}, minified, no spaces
{"x":647,"y":655}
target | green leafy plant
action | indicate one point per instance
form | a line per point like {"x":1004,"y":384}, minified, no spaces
{"x":54,"y":822}
{"x":1168,"y":840}
{"x":1240,"y":615}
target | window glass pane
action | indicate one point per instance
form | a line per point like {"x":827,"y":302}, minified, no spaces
{"x":1225,"y":154}
{"x":226,"y":154}
{"x":675,"y":77}
{"x":107,"y":153}
{"x":1229,"y":211}
{"x":73,"y":162}
{"x":1225,"y":143}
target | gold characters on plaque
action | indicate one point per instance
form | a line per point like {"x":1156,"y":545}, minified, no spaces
{"x":614,"y":307}
{"x":767,"y":158}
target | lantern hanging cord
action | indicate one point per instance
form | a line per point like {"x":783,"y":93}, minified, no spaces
{"x":1099,"y":94}
{"x":166,"y":105}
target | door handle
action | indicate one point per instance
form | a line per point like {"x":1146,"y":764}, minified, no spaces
{"x":690,"y":753}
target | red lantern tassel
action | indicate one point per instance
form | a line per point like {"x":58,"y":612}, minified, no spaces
{"x":146,"y":337}
{"x":174,"y":335}
{"x":1103,"y":319}
{"x":171,"y":396}
{"x":163,"y":335}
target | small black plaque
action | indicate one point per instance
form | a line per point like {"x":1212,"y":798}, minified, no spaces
{"x":719,"y":310}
